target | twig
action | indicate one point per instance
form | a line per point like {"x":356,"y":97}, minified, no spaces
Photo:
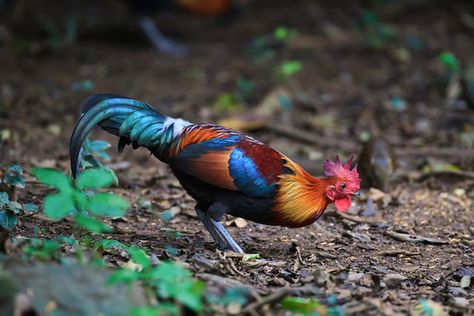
{"x":278,"y":295}
{"x":459,"y":173}
{"x":434,"y":151}
{"x":310,"y":138}
{"x":29,"y":214}
{"x":355,"y":219}
{"x":395,"y":252}
{"x":414,"y":238}
{"x":226,"y":282}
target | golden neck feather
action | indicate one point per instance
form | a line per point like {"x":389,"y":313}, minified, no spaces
{"x":301,"y":198}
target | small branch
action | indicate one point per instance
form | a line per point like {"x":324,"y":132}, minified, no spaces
{"x":29,"y":214}
{"x":355,"y":219}
{"x":278,"y":295}
{"x":460,"y":173}
{"x":396,"y":252}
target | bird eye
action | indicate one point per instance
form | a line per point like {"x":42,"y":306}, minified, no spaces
{"x":343,"y":186}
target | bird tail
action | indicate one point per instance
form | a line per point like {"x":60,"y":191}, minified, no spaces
{"x":135,"y":122}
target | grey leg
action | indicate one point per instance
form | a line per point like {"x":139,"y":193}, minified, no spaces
{"x":212,"y":230}
{"x":158,"y":40}
{"x":227,"y":237}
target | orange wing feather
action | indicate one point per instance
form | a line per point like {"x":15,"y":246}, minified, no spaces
{"x":212,"y":167}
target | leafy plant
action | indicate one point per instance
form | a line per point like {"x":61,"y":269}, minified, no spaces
{"x":81,"y":201}
{"x":263,"y":47}
{"x":93,"y":152}
{"x":169,"y":281}
{"x":9,"y":207}
{"x":288,"y":68}
{"x":375,"y":33}
{"x":43,"y":249}
{"x":12,"y":180}
{"x":309,"y":307}
{"x":450,"y":61}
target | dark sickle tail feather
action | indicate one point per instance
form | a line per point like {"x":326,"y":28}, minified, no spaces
{"x":133,"y":121}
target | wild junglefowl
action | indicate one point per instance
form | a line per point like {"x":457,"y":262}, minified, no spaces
{"x":225,"y":171}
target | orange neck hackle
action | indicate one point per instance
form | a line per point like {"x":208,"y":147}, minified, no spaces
{"x":301,"y":198}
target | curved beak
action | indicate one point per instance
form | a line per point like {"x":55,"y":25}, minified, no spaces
{"x":357,"y":194}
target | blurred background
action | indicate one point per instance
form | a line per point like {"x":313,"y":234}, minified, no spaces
{"x":391,"y":82}
{"x":309,"y":77}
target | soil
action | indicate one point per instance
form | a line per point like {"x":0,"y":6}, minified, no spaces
{"x":343,"y":90}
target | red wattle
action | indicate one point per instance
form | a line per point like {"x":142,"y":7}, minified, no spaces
{"x":343,"y":204}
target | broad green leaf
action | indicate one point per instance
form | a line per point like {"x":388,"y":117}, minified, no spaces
{"x":123,"y":276}
{"x":170,"y":271}
{"x":95,"y":179}
{"x":53,"y":178}
{"x":13,"y":206}
{"x":139,"y":256}
{"x":290,"y":67}
{"x":190,"y":294}
{"x":30,"y":207}
{"x":108,"y":204}
{"x":3,"y":198}
{"x":92,"y":224}
{"x":109,"y":244}
{"x":98,"y":147}
{"x":57,"y":206}
{"x":14,"y":177}
{"x":449,"y":60}
{"x":299,"y":305}
{"x":81,"y":199}
{"x":7,"y":220}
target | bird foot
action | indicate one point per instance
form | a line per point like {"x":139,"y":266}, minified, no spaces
{"x":159,"y":41}
{"x":223,"y":239}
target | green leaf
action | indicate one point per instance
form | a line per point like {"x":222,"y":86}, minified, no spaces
{"x":290,"y":67}
{"x":30,"y":207}
{"x":13,"y":206}
{"x":170,"y":271}
{"x":57,"y":206}
{"x":123,"y":276}
{"x":95,"y":179}
{"x":299,"y":305}
{"x":190,"y":294}
{"x":450,"y":61}
{"x":108,"y":204}
{"x":7,"y":220}
{"x":92,"y":224}
{"x":139,"y":256}
{"x":14,"y":177}
{"x":98,"y":147}
{"x":109,"y":244}
{"x":81,"y":199}
{"x":3,"y":198}
{"x":53,"y":178}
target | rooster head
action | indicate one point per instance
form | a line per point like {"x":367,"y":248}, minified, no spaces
{"x":345,"y":182}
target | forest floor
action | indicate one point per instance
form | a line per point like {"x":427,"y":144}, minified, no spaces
{"x":351,"y":83}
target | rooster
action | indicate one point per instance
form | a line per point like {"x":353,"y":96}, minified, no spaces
{"x":225,"y":171}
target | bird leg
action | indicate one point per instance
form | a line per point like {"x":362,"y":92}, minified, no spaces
{"x":223,"y":239}
{"x":207,"y":221}
{"x":160,"y":41}
{"x":227,"y":237}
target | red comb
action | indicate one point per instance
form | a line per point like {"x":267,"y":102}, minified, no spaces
{"x":337,"y":169}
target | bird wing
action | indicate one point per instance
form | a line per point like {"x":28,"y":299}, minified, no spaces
{"x":228,"y":160}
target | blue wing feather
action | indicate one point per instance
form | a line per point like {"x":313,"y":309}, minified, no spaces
{"x":246,"y":176}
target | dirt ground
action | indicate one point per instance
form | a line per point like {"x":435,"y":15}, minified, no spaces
{"x":343,"y":90}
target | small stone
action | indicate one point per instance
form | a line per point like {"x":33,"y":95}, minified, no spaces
{"x":354,"y":277}
{"x":460,"y":301}
{"x":393,"y":280}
